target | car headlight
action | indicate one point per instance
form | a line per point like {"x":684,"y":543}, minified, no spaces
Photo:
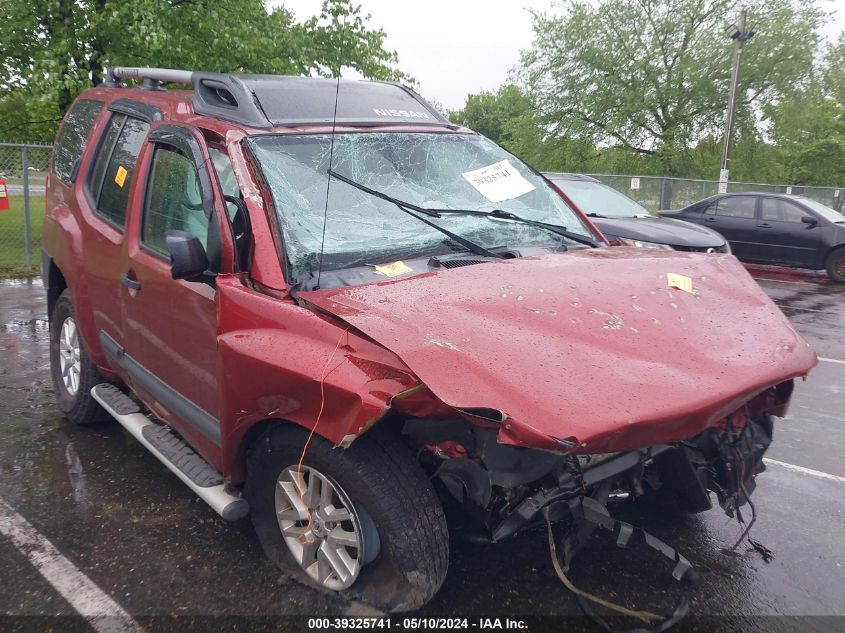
{"x":641,"y":244}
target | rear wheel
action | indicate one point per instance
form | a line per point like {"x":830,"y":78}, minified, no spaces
{"x":836,"y":265}
{"x":73,"y":372}
{"x":363,"y":521}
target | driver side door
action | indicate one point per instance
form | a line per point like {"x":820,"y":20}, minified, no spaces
{"x":171,"y":324}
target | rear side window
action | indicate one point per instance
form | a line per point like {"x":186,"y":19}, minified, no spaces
{"x":174,"y":200}
{"x":73,"y":137}
{"x":735,"y":206}
{"x":779,"y":210}
{"x":111,"y":177}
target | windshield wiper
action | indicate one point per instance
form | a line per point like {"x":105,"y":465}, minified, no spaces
{"x":498,"y":214}
{"x":407,"y":207}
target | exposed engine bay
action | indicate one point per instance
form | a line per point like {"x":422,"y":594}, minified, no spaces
{"x":506,"y":489}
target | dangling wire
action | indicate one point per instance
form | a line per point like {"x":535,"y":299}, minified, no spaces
{"x":325,"y":371}
{"x":331,"y":159}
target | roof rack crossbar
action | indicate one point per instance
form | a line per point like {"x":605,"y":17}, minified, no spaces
{"x":116,"y":73}
{"x":216,"y":94}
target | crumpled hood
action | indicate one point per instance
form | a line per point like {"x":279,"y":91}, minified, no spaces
{"x":591,"y":344}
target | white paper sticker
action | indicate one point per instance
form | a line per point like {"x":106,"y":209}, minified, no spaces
{"x":499,"y":181}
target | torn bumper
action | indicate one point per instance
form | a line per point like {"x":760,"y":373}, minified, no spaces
{"x":724,"y":461}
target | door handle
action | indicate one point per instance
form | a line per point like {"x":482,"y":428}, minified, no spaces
{"x":764,"y":225}
{"x":132,"y":284}
{"x":709,"y":219}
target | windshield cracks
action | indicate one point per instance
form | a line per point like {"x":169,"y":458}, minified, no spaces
{"x":394,"y":196}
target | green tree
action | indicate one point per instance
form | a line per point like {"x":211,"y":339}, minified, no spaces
{"x":808,"y":125}
{"x":53,"y":49}
{"x":651,"y":76}
{"x":495,"y":114}
{"x":509,"y":118}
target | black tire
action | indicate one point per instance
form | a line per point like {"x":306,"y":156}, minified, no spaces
{"x":79,"y":408}
{"x":380,"y":476}
{"x":836,"y":265}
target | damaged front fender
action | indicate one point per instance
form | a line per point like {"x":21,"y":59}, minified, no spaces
{"x":303,"y":367}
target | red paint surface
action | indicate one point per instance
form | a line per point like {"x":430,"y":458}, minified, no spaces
{"x":590,"y":344}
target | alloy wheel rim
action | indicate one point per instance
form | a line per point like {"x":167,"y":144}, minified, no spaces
{"x":320,"y":526}
{"x":69,"y":355}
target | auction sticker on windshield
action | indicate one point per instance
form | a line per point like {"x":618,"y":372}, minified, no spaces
{"x":499,"y":181}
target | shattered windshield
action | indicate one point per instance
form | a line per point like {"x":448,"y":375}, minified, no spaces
{"x":431,"y":170}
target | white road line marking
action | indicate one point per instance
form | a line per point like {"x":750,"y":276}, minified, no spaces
{"x":832,"y":360}
{"x":102,"y":613}
{"x":805,"y":471}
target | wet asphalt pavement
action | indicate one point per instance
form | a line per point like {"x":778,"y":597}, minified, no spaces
{"x":153,"y":548}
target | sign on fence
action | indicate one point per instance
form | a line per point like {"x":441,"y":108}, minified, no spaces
{"x":4,"y":196}
{"x":635,"y":183}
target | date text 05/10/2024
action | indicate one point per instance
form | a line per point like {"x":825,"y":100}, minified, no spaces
{"x":412,"y":624}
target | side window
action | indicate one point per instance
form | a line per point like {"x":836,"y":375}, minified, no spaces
{"x":779,"y":210}
{"x":173,"y":200}
{"x":73,"y":137}
{"x":734,"y":206}
{"x":111,"y":177}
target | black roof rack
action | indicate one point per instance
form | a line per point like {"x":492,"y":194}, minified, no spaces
{"x":264,"y":101}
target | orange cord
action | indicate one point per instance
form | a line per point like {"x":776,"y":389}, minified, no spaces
{"x":323,"y":375}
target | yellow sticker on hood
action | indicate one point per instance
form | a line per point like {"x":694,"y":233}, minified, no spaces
{"x":681,"y":282}
{"x":394,"y":270}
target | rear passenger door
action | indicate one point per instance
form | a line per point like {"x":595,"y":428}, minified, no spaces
{"x":784,"y":238}
{"x":106,"y":195}
{"x":735,"y":217}
{"x":171,"y":325}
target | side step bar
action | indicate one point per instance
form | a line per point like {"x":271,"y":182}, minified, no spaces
{"x":173,"y":452}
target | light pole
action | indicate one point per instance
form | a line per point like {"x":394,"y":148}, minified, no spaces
{"x":740,"y":36}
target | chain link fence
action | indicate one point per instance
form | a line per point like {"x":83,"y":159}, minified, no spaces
{"x":23,"y":168}
{"x":657,"y":193}
{"x":23,"y":171}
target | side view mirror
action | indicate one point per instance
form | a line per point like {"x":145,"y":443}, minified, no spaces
{"x":806,"y":219}
{"x":188,"y":259}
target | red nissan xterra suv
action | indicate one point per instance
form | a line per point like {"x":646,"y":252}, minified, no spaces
{"x":321,"y":304}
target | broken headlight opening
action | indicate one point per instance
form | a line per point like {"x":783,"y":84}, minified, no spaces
{"x":507,"y":489}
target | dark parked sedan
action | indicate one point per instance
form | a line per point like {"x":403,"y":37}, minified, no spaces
{"x":775,"y":229}
{"x":625,"y":222}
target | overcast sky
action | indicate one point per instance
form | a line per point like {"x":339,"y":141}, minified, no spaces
{"x":458,"y":47}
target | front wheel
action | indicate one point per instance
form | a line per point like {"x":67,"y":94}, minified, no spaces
{"x":362,"y":521}
{"x":74,"y":373}
{"x":836,"y":265}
